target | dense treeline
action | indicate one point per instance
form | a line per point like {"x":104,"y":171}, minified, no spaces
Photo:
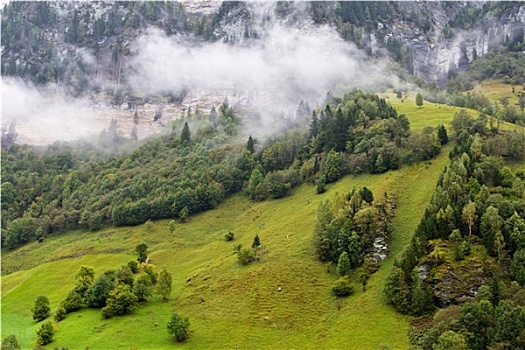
{"x":189,"y":170}
{"x":478,"y":200}
{"x":167,"y":177}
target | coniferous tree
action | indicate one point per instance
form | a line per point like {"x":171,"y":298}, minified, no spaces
{"x":442,"y":134}
{"x":172,"y":226}
{"x":518,"y":267}
{"x":142,"y":252}
{"x":250,"y":145}
{"x":213,"y":117}
{"x":256,"y":241}
{"x":321,"y":184}
{"x":314,"y":125}
{"x":185,"y":134}
{"x":366,"y":195}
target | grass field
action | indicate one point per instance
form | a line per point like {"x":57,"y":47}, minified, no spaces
{"x":434,"y":114}
{"x":495,"y":90}
{"x":430,"y":114}
{"x":230,"y":306}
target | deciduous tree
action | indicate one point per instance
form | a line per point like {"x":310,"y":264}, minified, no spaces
{"x":343,"y":265}
{"x":469,"y":215}
{"x":121,"y":300}
{"x":164,"y":284}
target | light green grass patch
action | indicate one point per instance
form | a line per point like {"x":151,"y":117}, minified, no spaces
{"x":495,"y":90}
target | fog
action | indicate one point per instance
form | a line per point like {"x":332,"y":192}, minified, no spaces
{"x":265,"y":77}
{"x":43,"y":116}
{"x":268,"y":76}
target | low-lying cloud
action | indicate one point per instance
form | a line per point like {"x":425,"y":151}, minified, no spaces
{"x":268,"y":75}
{"x":271,"y":74}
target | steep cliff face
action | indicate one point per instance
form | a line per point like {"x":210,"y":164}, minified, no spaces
{"x":435,"y":56}
{"x":435,"y":37}
{"x":433,"y":52}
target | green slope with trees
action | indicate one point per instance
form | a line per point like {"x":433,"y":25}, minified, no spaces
{"x":228,"y":304}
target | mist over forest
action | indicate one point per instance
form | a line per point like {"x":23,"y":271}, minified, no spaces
{"x":331,"y":174}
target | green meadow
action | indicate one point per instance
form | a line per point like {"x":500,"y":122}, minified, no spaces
{"x":283,"y":301}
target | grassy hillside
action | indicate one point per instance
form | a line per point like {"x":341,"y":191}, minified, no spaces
{"x":231,"y":306}
{"x":430,"y":114}
{"x":495,"y":90}
{"x":434,"y":114}
{"x":228,"y":305}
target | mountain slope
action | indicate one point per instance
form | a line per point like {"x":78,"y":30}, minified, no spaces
{"x":226,"y":303}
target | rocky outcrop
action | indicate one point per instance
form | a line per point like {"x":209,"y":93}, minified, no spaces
{"x":455,"y":282}
{"x":432,"y":54}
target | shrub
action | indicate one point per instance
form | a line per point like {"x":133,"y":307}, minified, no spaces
{"x":178,"y":327}
{"x":10,"y":343}
{"x":45,"y":333}
{"x":149,"y":269}
{"x":41,"y":310}
{"x":342,"y":288}
{"x":229,"y":236}
{"x":60,"y":314}
{"x":72,"y":302}
{"x":245,"y":256}
{"x":149,"y":225}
